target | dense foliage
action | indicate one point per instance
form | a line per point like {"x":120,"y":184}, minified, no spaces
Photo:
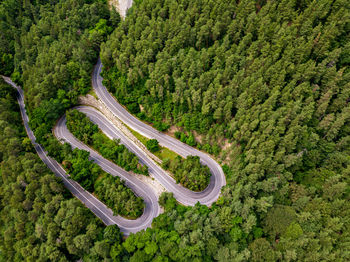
{"x":268,"y":82}
{"x":91,"y":177}
{"x":55,"y":55}
{"x":55,"y":50}
{"x":81,"y":127}
{"x":152,"y":145}
{"x":111,"y":191}
{"x":108,"y":189}
{"x":189,"y":172}
{"x":39,"y":219}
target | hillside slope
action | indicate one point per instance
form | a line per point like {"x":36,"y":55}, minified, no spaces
{"x":268,"y":83}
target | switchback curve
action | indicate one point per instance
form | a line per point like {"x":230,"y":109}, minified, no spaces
{"x":91,"y":202}
{"x":183,"y":195}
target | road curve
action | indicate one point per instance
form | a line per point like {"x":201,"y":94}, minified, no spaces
{"x":91,"y":202}
{"x":183,"y":195}
{"x":141,"y":189}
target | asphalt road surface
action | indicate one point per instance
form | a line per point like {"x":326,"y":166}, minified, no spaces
{"x":183,"y":195}
{"x":96,"y":206}
{"x":139,"y":188}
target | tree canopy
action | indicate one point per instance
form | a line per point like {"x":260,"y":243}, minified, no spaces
{"x":152,"y":145}
{"x":86,"y":131}
{"x":39,"y":219}
{"x":262,"y":85}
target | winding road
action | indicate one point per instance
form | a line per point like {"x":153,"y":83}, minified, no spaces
{"x":183,"y":195}
{"x":152,"y":209}
{"x":97,"y":207}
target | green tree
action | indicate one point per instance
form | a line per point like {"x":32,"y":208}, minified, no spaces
{"x":153,"y":145}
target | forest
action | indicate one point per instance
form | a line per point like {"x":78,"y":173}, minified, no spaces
{"x":267,"y":82}
{"x":264,"y":86}
{"x":86,"y":131}
{"x":189,"y":172}
{"x":39,"y":219}
{"x":63,"y":77}
{"x":104,"y":186}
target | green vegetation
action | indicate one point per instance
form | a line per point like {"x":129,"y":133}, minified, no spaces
{"x":163,"y":153}
{"x":110,"y":190}
{"x":39,"y":219}
{"x":86,"y":131}
{"x":54,"y":56}
{"x":80,"y":168}
{"x":92,"y":92}
{"x":271,"y":77}
{"x":166,"y":154}
{"x":153,"y":145}
{"x":50,"y":58}
{"x":189,"y":172}
{"x":56,"y":46}
{"x":140,"y":137}
{"x":190,"y":140}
